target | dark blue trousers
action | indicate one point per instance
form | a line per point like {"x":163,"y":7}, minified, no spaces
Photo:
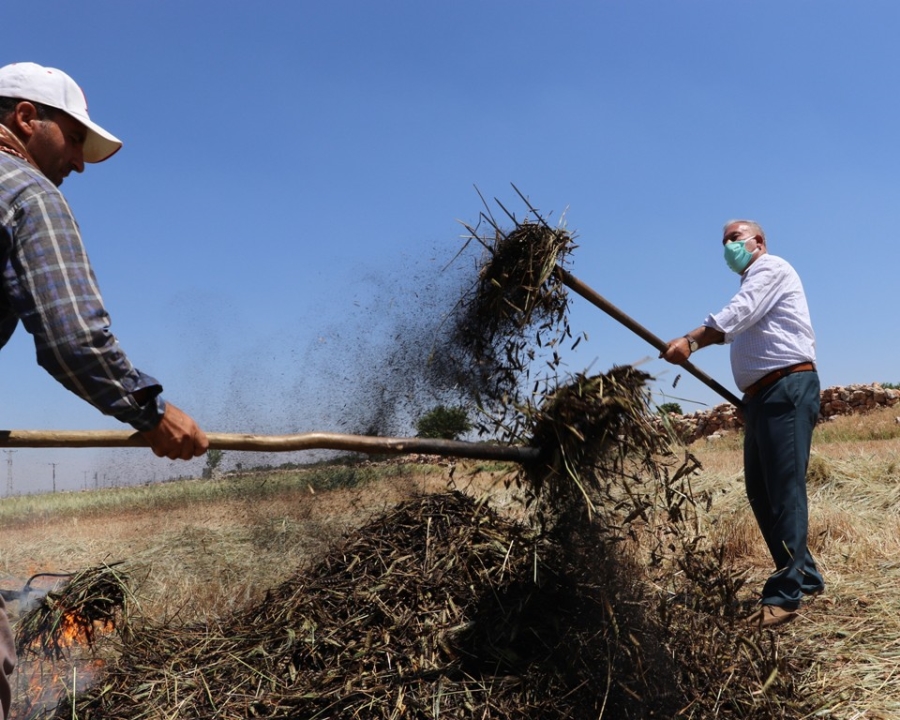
{"x":778,"y":430}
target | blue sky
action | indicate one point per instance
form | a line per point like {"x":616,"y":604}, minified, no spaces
{"x":292,"y":169}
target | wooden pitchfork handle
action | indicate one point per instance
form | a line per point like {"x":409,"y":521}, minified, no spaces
{"x":593,"y":297}
{"x":276,"y":443}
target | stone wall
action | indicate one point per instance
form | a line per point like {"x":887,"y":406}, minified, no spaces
{"x":840,"y":400}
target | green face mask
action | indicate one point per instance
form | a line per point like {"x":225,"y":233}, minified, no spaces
{"x":736,"y":255}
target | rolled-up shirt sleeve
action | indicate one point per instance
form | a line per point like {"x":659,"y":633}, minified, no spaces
{"x":50,"y":286}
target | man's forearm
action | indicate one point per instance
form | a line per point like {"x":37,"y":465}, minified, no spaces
{"x":705,"y":335}
{"x":680,"y":349}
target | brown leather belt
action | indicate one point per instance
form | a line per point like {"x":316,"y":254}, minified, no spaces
{"x":776,"y":375}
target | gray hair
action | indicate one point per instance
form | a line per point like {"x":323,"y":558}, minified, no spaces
{"x":754,"y":227}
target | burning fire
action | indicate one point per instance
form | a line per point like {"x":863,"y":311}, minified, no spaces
{"x":44,"y":676}
{"x":57,"y":630}
{"x":76,"y":630}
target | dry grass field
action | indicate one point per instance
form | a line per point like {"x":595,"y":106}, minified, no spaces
{"x":852,"y":630}
{"x":200,"y":549}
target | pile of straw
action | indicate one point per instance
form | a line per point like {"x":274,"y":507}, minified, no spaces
{"x":440,"y":608}
{"x":443,"y":609}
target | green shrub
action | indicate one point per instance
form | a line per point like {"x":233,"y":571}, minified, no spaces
{"x":444,"y":423}
{"x":669,"y":408}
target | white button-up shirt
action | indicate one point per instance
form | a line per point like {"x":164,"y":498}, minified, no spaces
{"x":767,"y":323}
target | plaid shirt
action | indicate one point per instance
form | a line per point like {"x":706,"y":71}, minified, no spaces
{"x":47,"y":282}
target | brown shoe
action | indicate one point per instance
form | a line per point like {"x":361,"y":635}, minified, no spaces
{"x":771,"y":616}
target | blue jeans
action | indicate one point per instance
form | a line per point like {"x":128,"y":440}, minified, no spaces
{"x":778,"y":430}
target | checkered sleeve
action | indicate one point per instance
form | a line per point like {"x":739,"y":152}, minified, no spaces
{"x":53,"y":291}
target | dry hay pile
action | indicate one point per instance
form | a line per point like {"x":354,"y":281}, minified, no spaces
{"x":440,"y":608}
{"x":443,"y":609}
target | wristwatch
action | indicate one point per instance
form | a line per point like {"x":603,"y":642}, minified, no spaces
{"x":692,"y":344}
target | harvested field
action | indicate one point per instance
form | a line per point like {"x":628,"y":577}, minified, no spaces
{"x":840,"y":657}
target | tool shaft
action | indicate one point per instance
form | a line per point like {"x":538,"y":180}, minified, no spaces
{"x":275,"y":443}
{"x":599,"y":301}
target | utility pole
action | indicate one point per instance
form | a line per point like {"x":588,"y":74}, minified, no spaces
{"x":53,"y":465}
{"x":9,"y":475}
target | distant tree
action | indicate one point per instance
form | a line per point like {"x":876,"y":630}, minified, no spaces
{"x":669,"y":408}
{"x":213,"y":460}
{"x":445,"y":423}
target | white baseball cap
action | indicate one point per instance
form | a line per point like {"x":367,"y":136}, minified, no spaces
{"x":52,"y":87}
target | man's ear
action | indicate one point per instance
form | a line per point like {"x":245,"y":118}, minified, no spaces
{"x":24,"y":117}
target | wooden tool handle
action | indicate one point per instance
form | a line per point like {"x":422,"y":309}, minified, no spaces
{"x":601,"y":302}
{"x":275,"y":443}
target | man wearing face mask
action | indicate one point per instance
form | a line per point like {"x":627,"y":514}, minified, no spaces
{"x":773,"y":357}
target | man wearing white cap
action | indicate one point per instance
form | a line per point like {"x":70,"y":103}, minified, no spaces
{"x":47,"y":282}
